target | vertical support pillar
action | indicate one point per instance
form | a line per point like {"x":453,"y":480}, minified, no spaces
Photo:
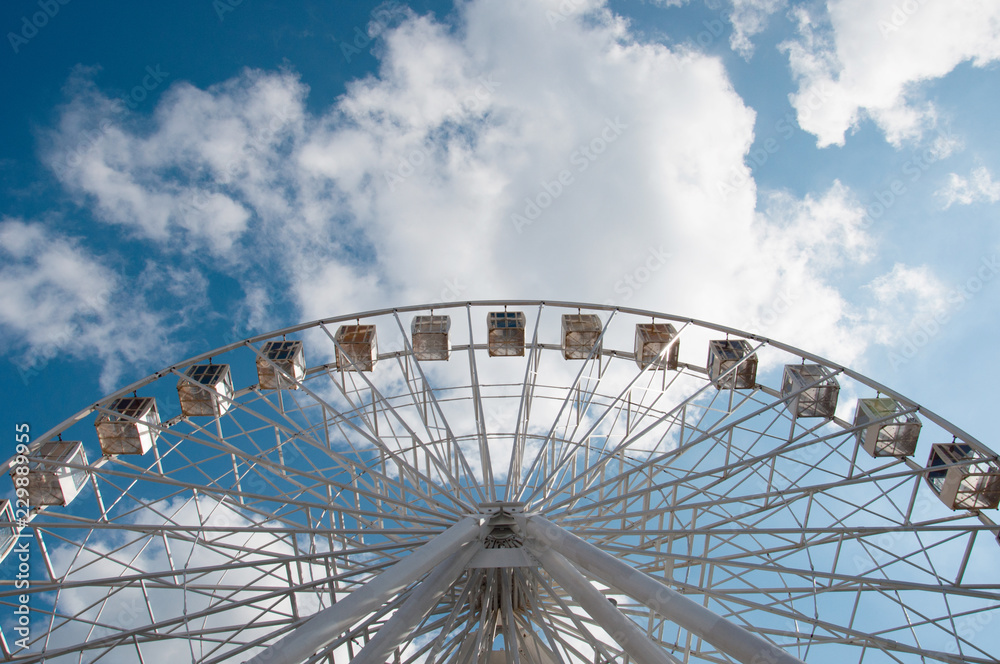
{"x":324,"y":627}
{"x":735,"y":641}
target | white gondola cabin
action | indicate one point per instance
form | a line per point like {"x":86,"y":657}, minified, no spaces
{"x":964,"y":478}
{"x":51,"y":481}
{"x":723,"y":355}
{"x":505,"y":333}
{"x":357,"y":347}
{"x":811,"y":390}
{"x":281,"y":364}
{"x":131,"y":428}
{"x":429,"y":336}
{"x":205,"y":390}
{"x":653,"y":347}
{"x":884,"y":429}
{"x":581,"y":333}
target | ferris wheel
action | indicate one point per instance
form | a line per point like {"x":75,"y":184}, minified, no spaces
{"x":503,"y":482}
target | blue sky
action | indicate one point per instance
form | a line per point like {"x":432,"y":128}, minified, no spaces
{"x":823,"y":173}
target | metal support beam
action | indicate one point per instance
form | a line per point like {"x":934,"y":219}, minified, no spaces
{"x":625,"y":632}
{"x":324,"y":627}
{"x":421,"y":600}
{"x":733,"y":640}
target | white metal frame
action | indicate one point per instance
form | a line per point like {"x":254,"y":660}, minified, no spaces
{"x":418,"y":511}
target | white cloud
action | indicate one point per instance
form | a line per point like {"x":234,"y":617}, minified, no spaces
{"x":218,"y":138}
{"x":463,"y":170}
{"x":824,"y":233}
{"x":977,"y":187}
{"x":865,"y":58}
{"x":56,"y":297}
{"x":749,"y":18}
{"x":905,"y":297}
{"x":801,"y":247}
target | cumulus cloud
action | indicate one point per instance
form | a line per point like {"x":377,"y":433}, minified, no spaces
{"x":217,"y":137}
{"x":905,"y":297}
{"x":802,"y":246}
{"x":978,"y":187}
{"x":462,"y":170}
{"x":863,"y":59}
{"x":749,"y":18}
{"x":57,"y":297}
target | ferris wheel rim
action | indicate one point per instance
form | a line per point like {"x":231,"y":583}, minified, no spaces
{"x":468,"y":306}
{"x":565,"y":304}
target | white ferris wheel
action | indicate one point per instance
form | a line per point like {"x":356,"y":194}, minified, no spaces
{"x":497,"y":482}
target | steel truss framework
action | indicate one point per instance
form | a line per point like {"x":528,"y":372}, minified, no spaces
{"x":530,"y":509}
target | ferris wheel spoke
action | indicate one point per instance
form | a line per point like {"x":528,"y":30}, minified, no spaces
{"x":453,"y":640}
{"x":479,"y":416}
{"x":846,"y":633}
{"x":570,"y":623}
{"x":572,"y":638}
{"x":237,"y":500}
{"x":340,"y":420}
{"x":278,"y":595}
{"x":660,"y":460}
{"x":560,"y":649}
{"x":515,"y":467}
{"x":462,"y":464}
{"x":573,"y":442}
{"x":804,"y":541}
{"x":722,"y":473}
{"x":148,"y":634}
{"x":715,"y":432}
{"x":558,"y":455}
{"x":561,"y":461}
{"x":449,"y":637}
{"x":166,"y":579}
{"x":361,"y":631}
{"x":227,"y":641}
{"x":741,"y":570}
{"x":210,"y":441}
{"x":369,"y":488}
{"x":380,"y":407}
{"x":433,"y":624}
{"x":374,"y":438}
{"x":905,"y":622}
{"x":784,"y":499}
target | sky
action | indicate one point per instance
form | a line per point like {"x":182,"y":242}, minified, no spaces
{"x":172,"y":180}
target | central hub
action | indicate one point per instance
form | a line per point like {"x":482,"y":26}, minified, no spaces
{"x":502,"y":530}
